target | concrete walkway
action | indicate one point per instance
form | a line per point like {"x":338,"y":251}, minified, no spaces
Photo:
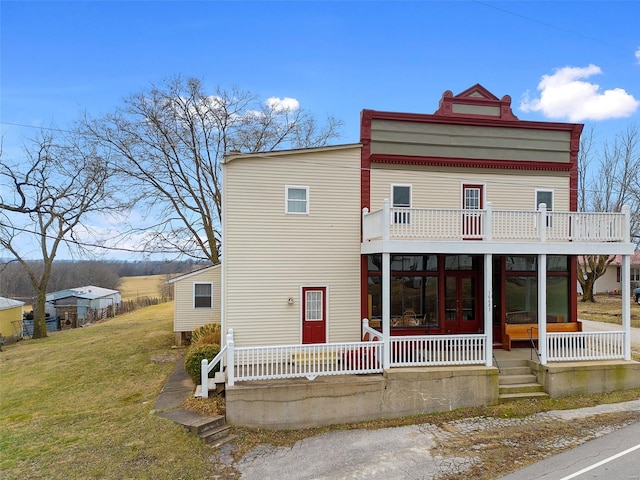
{"x":178,"y":388}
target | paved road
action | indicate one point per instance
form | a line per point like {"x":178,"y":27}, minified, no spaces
{"x":611,"y":457}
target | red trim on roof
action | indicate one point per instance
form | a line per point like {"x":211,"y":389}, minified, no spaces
{"x":468,"y":163}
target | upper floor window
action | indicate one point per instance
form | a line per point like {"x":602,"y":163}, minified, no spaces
{"x":297,"y":199}
{"x":546,"y":197}
{"x":401,"y":197}
{"x":203,"y":295}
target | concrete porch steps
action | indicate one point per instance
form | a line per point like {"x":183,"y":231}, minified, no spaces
{"x":516,"y":382}
{"x":212,"y":430}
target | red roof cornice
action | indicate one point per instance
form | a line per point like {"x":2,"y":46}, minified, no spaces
{"x":468,"y":163}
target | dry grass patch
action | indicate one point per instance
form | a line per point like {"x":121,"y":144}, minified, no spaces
{"x":77,"y":404}
{"x":607,"y":308}
{"x":143,"y":286}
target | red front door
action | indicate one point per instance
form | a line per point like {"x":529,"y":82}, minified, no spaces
{"x":462,"y":305}
{"x":314,"y":314}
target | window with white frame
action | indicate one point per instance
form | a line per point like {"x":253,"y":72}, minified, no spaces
{"x":203,"y":295}
{"x":297,"y":199}
{"x":401,"y":198}
{"x":546,"y":197}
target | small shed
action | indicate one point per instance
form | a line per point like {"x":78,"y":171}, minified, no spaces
{"x":11,"y":312}
{"x":197,"y":297}
{"x":74,"y":305}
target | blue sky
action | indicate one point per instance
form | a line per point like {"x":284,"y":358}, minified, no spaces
{"x":560,"y":61}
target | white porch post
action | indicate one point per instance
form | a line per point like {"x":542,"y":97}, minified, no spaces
{"x":230,"y":359}
{"x":625,"y":290}
{"x":488,"y":308}
{"x":386,"y":310}
{"x":386,"y":222}
{"x":488,"y":222}
{"x":542,"y":222}
{"x":542,"y":306}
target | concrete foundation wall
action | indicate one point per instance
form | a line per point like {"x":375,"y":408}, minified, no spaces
{"x":573,"y":378}
{"x":299,"y":403}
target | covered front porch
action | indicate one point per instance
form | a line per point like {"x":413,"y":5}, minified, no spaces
{"x":507,"y":276}
{"x":292,"y":402}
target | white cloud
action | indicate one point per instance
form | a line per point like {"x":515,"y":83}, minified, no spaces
{"x":638,"y":54}
{"x":567,"y":94}
{"x":283,"y":104}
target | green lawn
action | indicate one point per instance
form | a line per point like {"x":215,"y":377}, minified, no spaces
{"x":77,"y":404}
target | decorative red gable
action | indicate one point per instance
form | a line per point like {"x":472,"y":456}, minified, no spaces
{"x":475,"y":102}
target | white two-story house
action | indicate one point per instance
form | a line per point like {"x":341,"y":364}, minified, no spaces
{"x":430,"y":240}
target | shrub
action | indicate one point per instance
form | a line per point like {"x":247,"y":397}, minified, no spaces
{"x":206,"y":334}
{"x":194,"y":357}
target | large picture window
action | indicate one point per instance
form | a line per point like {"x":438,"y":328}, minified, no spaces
{"x":203,"y":295}
{"x":521,"y":289}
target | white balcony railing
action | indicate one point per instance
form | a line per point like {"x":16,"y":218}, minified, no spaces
{"x":498,"y":225}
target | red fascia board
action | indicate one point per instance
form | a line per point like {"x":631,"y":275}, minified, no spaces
{"x":469,"y":163}
{"x":476,"y":120}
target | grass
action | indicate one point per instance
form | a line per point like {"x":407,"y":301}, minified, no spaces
{"x":607,"y":308}
{"x":142,"y":286}
{"x":77,"y":404}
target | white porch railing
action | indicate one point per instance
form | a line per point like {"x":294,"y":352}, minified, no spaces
{"x":206,"y":367}
{"x":365,"y":357}
{"x":299,"y":361}
{"x":499,"y":225}
{"x":433,"y":350}
{"x":580,"y":346}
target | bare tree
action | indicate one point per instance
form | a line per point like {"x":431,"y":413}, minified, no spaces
{"x":171,"y":141}
{"x":44,"y":200}
{"x":615,"y":183}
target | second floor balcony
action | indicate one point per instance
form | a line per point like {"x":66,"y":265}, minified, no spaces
{"x":450,"y":225}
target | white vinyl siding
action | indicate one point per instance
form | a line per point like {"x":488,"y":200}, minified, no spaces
{"x":435,"y":187}
{"x":297,"y":199}
{"x":269,"y":256}
{"x":186,"y":317}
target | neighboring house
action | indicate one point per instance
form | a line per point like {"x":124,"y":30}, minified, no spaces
{"x":11,"y":313}
{"x":433,"y":241}
{"x":73,"y":306}
{"x":196,"y":300}
{"x":610,"y":281}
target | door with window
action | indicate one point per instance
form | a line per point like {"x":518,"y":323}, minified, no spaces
{"x":472,"y":204}
{"x":314,"y":314}
{"x":462,"y":305}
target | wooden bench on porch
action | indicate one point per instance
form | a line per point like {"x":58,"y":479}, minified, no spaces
{"x":513,"y":332}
